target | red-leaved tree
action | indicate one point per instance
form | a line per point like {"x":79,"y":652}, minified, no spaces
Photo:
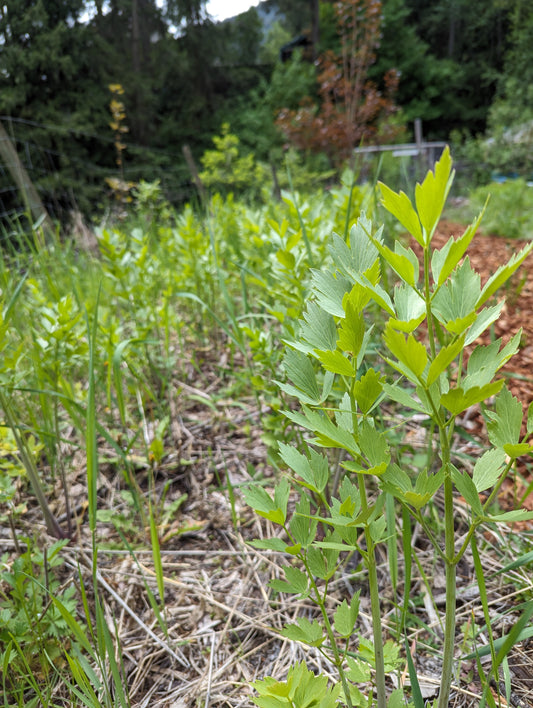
{"x":352,"y":109}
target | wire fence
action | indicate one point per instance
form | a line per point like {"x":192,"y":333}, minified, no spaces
{"x":70,"y":170}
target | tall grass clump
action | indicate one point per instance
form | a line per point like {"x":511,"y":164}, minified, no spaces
{"x":363,"y":362}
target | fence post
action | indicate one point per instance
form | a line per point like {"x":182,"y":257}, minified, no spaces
{"x":29,"y":194}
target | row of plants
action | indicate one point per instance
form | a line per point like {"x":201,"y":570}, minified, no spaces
{"x":95,"y":345}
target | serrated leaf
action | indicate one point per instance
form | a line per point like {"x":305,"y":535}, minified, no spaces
{"x":378,"y":294}
{"x":410,"y":309}
{"x":264,"y":505}
{"x":352,"y":327}
{"x":466,"y":487}
{"x":486,"y":360}
{"x":443,"y":359}
{"x":304,"y":631}
{"x":503,"y":274}
{"x":483,"y":320}
{"x":300,"y":371}
{"x":367,"y":390}
{"x":411,"y":353}
{"x":488,"y":469}
{"x":317,"y":563}
{"x":399,"y":261}
{"x":431,"y":195}
{"x":315,"y":479}
{"x":335,"y":362}
{"x":358,"y":671}
{"x":373,"y":444}
{"x":296,"y":582}
{"x":404,"y":398}
{"x":346,"y":615}
{"x":511,"y":516}
{"x":504,"y":423}
{"x":329,"y":290}
{"x":456,"y":400}
{"x":443,"y":261}
{"x":318,"y":328}
{"x":517,"y":450}
{"x":361,"y":257}
{"x":399,"y":205}
{"x":328,"y":434}
{"x":303,"y":526}
{"x":454,"y":304}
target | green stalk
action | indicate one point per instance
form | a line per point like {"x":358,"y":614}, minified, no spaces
{"x":375,"y":604}
{"x":330,"y":633}
{"x":449,"y":621}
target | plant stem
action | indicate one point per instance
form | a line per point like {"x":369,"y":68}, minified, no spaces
{"x":375,"y":604}
{"x":331,"y":636}
{"x":449,"y":623}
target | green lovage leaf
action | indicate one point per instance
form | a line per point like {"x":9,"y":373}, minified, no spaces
{"x":405,"y":398}
{"x":367,"y":390}
{"x":317,"y":564}
{"x":304,"y":631}
{"x":457,"y":400}
{"x":303,"y":526}
{"x":402,"y":260}
{"x":488,"y":469}
{"x":352,"y":327}
{"x":454,"y":305}
{"x":314,"y":471}
{"x":444,"y":358}
{"x":329,"y":290}
{"x":399,"y":205}
{"x":431,"y":195}
{"x":375,"y":449}
{"x":346,"y":615}
{"x":466,"y":487}
{"x":504,"y":423}
{"x":318,"y":328}
{"x":328,"y":434}
{"x":411,"y":354}
{"x":503,"y":274}
{"x":376,"y":292}
{"x":302,"y":688}
{"x":443,"y":261}
{"x":344,"y":416}
{"x":299,"y":369}
{"x":270,"y":544}
{"x":361,"y":257}
{"x":486,"y":360}
{"x":510,"y":517}
{"x":410,"y":309}
{"x":273,"y":509}
{"x":398,"y":483}
{"x":296,"y":582}
{"x":483,"y":320}
{"x":359,"y":671}
{"x":335,"y":362}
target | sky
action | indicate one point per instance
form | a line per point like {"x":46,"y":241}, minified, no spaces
{"x":221,"y":9}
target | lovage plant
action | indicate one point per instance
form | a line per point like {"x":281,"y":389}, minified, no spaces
{"x":341,"y":503}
